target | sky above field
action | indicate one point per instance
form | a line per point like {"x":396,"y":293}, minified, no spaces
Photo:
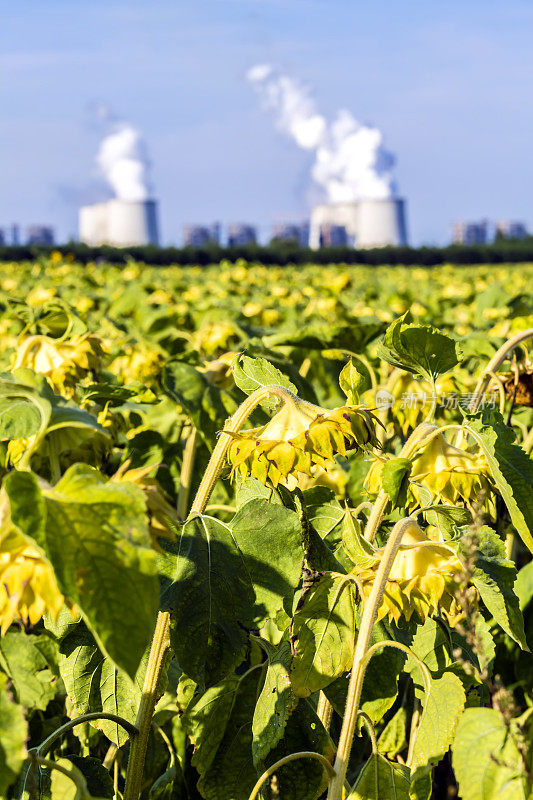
{"x":449,"y":84}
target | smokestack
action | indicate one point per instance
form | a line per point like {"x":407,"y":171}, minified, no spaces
{"x":368,"y":223}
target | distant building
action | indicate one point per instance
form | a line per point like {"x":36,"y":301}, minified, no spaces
{"x":240,"y":234}
{"x":119,"y":223}
{"x":333,"y":235}
{"x":292,"y":231}
{"x":40,"y":234}
{"x":201,"y":235}
{"x":471,"y":232}
{"x":511,"y":229}
{"x":2,"y":237}
{"x":15,"y":234}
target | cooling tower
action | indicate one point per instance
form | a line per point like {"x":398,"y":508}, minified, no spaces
{"x":368,"y":223}
{"x":380,"y":223}
{"x":119,"y":223}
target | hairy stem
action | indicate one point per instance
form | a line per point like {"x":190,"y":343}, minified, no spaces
{"x":186,"y":473}
{"x":161,"y":640}
{"x":358,"y":669}
{"x":324,"y":710}
{"x":494,"y":364}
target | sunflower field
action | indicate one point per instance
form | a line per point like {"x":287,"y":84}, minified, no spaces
{"x":265,"y":532}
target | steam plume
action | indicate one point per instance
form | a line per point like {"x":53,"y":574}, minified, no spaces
{"x":123,"y":161}
{"x":350,"y":161}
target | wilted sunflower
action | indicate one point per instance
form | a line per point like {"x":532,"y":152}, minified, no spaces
{"x":422,"y":579}
{"x":298,"y":437}
{"x":451,"y":473}
{"x":62,"y":361}
{"x":28,"y":587}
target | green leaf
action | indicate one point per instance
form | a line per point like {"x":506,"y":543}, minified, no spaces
{"x":63,"y":787}
{"x":352,"y":383}
{"x":275,"y":703}
{"x":395,"y":480}
{"x":205,"y":720}
{"x":231,"y":773}
{"x":393,"y":738}
{"x":25,"y":408}
{"x":29,"y":662}
{"x":510,"y":467}
{"x":357,"y":548}
{"x":269,"y":537}
{"x":421,"y":349}
{"x":98,"y":780}
{"x":381,"y":779}
{"x":524,"y":585}
{"x":211,"y":601}
{"x":304,"y":778}
{"x":252,"y":373}
{"x":323,"y":633}
{"x":95,"y":535}
{"x":486,"y":761}
{"x":494,"y":578}
{"x":443,"y":704}
{"x":323,"y":509}
{"x":94,"y":683}
{"x":13,"y":735}
{"x":447,"y":519}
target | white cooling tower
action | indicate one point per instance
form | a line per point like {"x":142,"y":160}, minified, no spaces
{"x":368,"y":223}
{"x":119,"y":223}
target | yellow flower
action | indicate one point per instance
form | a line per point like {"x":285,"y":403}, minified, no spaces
{"x":421,"y":581}
{"x":299,"y":437}
{"x":451,"y":473}
{"x":214,"y":336}
{"x":62,"y":361}
{"x":28,"y":587}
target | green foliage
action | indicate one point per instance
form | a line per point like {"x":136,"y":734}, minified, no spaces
{"x":421,"y":349}
{"x":252,"y":373}
{"x":380,"y":779}
{"x":395,"y":480}
{"x":13,"y":734}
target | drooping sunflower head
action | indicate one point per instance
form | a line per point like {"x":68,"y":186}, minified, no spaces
{"x":162,"y":515}
{"x":422,"y":580}
{"x":451,"y":473}
{"x":28,"y":587}
{"x":298,"y":438}
{"x":62,"y":361}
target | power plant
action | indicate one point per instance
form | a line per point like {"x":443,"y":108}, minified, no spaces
{"x":120,"y":223}
{"x":368,"y":223}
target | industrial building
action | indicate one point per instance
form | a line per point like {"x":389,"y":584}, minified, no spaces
{"x":201,"y":235}
{"x":291,"y":232}
{"x":240,"y":234}
{"x":471,"y":232}
{"x":119,"y":223}
{"x":40,"y":234}
{"x":367,"y":223}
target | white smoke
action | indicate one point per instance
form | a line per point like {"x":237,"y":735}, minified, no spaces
{"x":123,"y":161}
{"x":351,"y":163}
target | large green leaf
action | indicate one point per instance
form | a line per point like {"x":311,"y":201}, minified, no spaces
{"x":323,"y":632}
{"x":323,"y":509}
{"x":270,"y":539}
{"x":94,"y":683}
{"x":24,"y":407}
{"x":211,"y":601}
{"x":252,"y":373}
{"x":443,"y":704}
{"x":13,"y":734}
{"x":28,"y":660}
{"x":381,"y":780}
{"x":304,"y":778}
{"x":95,"y":535}
{"x":494,"y":578}
{"x":275,"y":703}
{"x":486,"y":760}
{"x":510,"y":467}
{"x":205,"y":720}
{"x":421,"y":349}
{"x":231,"y":773}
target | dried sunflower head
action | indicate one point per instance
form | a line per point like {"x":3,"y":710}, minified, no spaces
{"x":298,"y":438}
{"x":422,"y":579}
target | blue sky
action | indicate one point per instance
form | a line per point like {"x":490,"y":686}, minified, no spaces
{"x":448,"y":83}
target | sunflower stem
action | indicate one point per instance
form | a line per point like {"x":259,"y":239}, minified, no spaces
{"x":324,"y":710}
{"x":161,"y":639}
{"x":355,"y":686}
{"x":186,"y":473}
